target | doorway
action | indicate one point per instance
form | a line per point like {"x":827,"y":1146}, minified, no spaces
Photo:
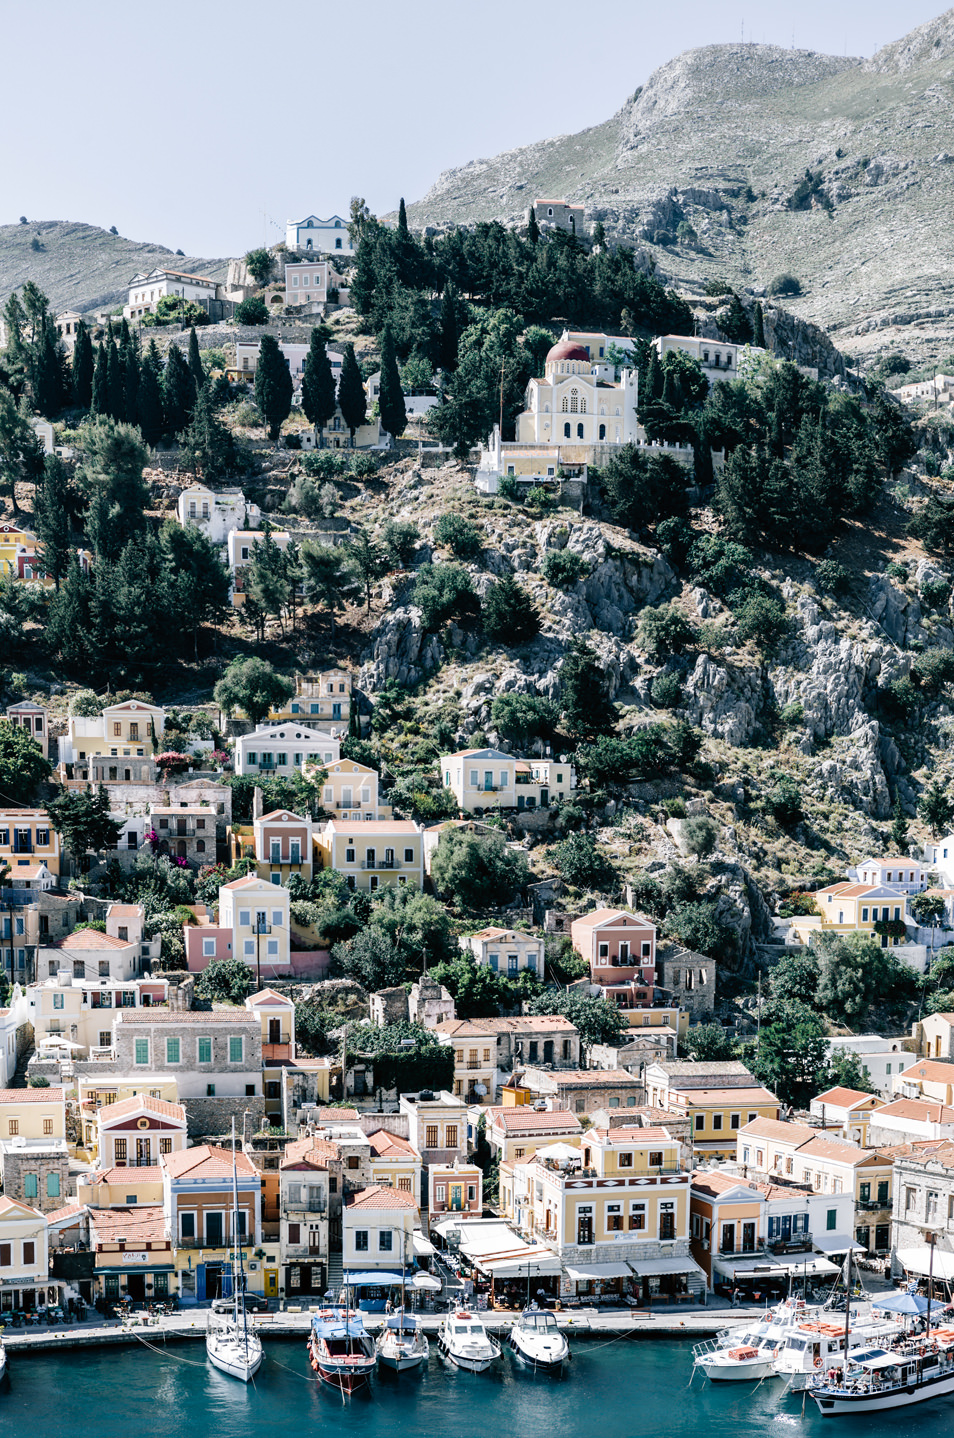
{"x":213,"y":1280}
{"x":213,"y":1230}
{"x":136,"y":1287}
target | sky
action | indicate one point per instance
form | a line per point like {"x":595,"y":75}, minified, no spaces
{"x":205,"y":126}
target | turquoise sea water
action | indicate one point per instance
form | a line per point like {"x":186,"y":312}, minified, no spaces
{"x":611,"y":1390}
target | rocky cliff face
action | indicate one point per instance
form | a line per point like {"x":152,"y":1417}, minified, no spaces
{"x":721,"y":137}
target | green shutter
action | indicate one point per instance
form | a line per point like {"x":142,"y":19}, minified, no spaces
{"x":235,"y":1050}
{"x":205,"y":1051}
{"x":30,"y":1185}
{"x":172,"y":1051}
{"x":142,"y":1051}
{"x":52,"y":1185}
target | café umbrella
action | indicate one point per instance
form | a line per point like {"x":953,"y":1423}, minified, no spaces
{"x":908,"y":1305}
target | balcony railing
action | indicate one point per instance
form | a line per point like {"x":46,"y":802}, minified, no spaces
{"x":873,"y":1205}
{"x":794,"y":1243}
{"x":355,"y":804}
{"x":311,"y":1205}
{"x":380,"y":863}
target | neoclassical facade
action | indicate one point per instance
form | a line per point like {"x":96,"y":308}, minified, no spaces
{"x":578,"y":402}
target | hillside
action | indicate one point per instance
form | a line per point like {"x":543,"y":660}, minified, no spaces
{"x":82,"y":267}
{"x":720,"y":139}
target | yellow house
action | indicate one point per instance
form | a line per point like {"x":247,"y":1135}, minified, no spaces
{"x":24,"y":1256}
{"x":349,"y":791}
{"x":928,"y":1079}
{"x":119,"y":1187}
{"x":17,"y":551}
{"x":395,"y":1163}
{"x":848,"y":908}
{"x":320,"y":700}
{"x":373,"y":854}
{"x":516,"y":1132}
{"x":32,"y":1113}
{"x":132,"y":730}
{"x":95,"y":1092}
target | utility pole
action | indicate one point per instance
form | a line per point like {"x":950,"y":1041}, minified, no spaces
{"x":344,"y":1056}
{"x":503,"y":362}
{"x":758,"y":1020}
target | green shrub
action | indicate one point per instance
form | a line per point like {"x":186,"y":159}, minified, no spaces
{"x":324,"y":463}
{"x":664,"y":630}
{"x":252,"y":311}
{"x":562,"y":567}
{"x":459,"y":535}
{"x":900,"y":700}
{"x":832,"y":578}
{"x":508,"y":488}
{"x":675,"y":808}
{"x":443,"y":592}
{"x":784,"y":802}
{"x":935,"y":592}
{"x":792,"y":715}
{"x":933,"y":669}
{"x":784,"y":284}
{"x":666,"y":691}
{"x":760,"y":618}
{"x":896,"y":571}
{"x":362,"y":465}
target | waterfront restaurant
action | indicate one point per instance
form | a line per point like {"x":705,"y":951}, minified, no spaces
{"x":24,"y":1262}
{"x":133,"y":1255}
{"x":503,"y":1264}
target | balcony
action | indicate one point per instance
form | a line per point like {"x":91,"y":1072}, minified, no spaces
{"x":355,"y":804}
{"x":794,"y":1243}
{"x":873,"y":1205}
{"x":380,"y":863}
{"x":178,"y":829}
{"x":261,"y":928}
{"x":310,"y":1205}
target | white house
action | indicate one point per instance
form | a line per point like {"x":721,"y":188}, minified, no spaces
{"x":257,"y":912}
{"x":147,"y":288}
{"x":277,"y":749}
{"x":904,"y":874}
{"x":488,"y":778}
{"x":505,"y":951}
{"x":247,"y":352}
{"x":717,"y":359}
{"x":940,"y":857}
{"x":324,"y":237}
{"x":217,"y":512}
{"x":881,"y":1059}
{"x":378,"y":1229}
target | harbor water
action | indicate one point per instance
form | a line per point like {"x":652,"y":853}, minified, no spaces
{"x":612,"y":1388}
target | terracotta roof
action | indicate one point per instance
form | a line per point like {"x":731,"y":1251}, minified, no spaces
{"x":207,"y":1162}
{"x":7,"y":1203}
{"x":837,"y":1151}
{"x":931,"y":1069}
{"x":704,"y":1181}
{"x":754,"y":1094}
{"x":338,"y":1115}
{"x":793,"y":1133}
{"x":72,"y":1210}
{"x":922,"y":1110}
{"x":31,"y":1095}
{"x":316,"y":1152}
{"x":158,"y":1106}
{"x":845,"y":1097}
{"x":390,"y":1145}
{"x":147,"y":1173}
{"x":603,"y":916}
{"x":524,"y":1119}
{"x":269,"y":996}
{"x":195,"y":1017}
{"x":91,"y":939}
{"x":593,"y":1077}
{"x":566,"y":349}
{"x":634,"y":1135}
{"x":374,"y":826}
{"x":378,"y":1196}
{"x":140,"y":1223}
{"x":125,"y":911}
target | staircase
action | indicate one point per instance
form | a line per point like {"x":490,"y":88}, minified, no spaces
{"x":335,"y":1273}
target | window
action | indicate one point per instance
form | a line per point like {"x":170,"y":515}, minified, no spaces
{"x":637,"y":1217}
{"x":52,"y":1185}
{"x":440,"y":1193}
{"x":385,"y":1240}
{"x":883,"y":1188}
{"x":361,"y":1240}
{"x":235,"y":1049}
{"x":57,"y":999}
{"x":602,"y":951}
{"x":172,"y":1051}
{"x":450,"y":1136}
{"x":910,"y":1199}
{"x":187,"y":1225}
{"x":29,"y":1248}
{"x":667,"y":1226}
{"x":204,"y":1054}
{"x":830,"y":1218}
{"x":142,"y":1051}
{"x":625,"y":1160}
{"x":165,"y":1145}
{"x":409,"y":856}
{"x":48,"y":1126}
{"x":864,"y":1193}
{"x":208,"y":948}
{"x":431,"y":1136}
{"x":930,"y":1207}
{"x":30,"y":1185}
{"x":6,"y":1255}
{"x":119,"y":1152}
{"x":734,"y":1120}
{"x":717,"y":1121}
{"x":700,"y":1122}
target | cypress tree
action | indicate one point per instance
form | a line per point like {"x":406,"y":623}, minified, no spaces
{"x":509,"y":614}
{"x":131,"y":388}
{"x":51,"y":519}
{"x":584,"y":703}
{"x":115,"y":382}
{"x":46,"y":373}
{"x":178,"y":392}
{"x":195,"y":361}
{"x":351,"y":396}
{"x":273,"y":386}
{"x":68,"y":621}
{"x":318,"y":386}
{"x":403,"y":230}
{"x":125,"y":338}
{"x":758,"y":337}
{"x":82,"y":367}
{"x":533,"y":229}
{"x":391,"y":398}
{"x":207,"y":442}
{"x":450,"y":328}
{"x":149,"y":398}
{"x":99,"y":399}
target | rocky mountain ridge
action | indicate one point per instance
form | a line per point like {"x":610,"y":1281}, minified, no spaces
{"x":719,"y":140}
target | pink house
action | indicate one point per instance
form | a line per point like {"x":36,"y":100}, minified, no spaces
{"x":620,"y":949}
{"x":205,"y":942}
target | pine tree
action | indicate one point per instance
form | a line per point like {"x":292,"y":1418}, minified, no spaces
{"x":533,"y":229}
{"x":391,"y":397}
{"x":318,"y":386}
{"x":195,"y":360}
{"x":82,"y":367}
{"x":149,"y":397}
{"x":99,"y":400}
{"x":451,"y":324}
{"x":599,"y":235}
{"x":899,"y":827}
{"x":266,"y":580}
{"x":207,"y":442}
{"x":46,"y":373}
{"x":758,"y":335}
{"x":68,"y":620}
{"x":351,"y":396}
{"x":273,"y":386}
{"x":51,"y":519}
{"x":115,"y":383}
{"x":509,"y":614}
{"x":369,"y":560}
{"x":584,"y":702}
{"x":178,"y":392}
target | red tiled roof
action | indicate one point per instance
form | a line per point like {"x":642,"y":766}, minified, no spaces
{"x":377,"y":1196}
{"x":147,"y":1173}
{"x":524,"y":1119}
{"x":309,"y":1150}
{"x":159,"y":1106}
{"x":31,"y":1095}
{"x":91,"y":939}
{"x":72,"y":1210}
{"x":390,"y":1145}
{"x":207,"y":1162}
{"x":142,"y":1223}
{"x":845,"y":1097}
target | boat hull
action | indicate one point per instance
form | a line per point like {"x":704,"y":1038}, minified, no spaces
{"x":738,"y":1372}
{"x":402,"y":1363}
{"x":465,"y":1361}
{"x":236,"y":1365}
{"x":832,"y":1404}
{"x":538,"y":1364}
{"x":345,"y":1374}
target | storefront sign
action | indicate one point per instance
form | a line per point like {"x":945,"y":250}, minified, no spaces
{"x":135,"y":1257}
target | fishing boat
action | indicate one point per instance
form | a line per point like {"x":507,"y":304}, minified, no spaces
{"x":463,"y":1341}
{"x":341,"y":1349}
{"x":402,"y":1343}
{"x":231,"y":1346}
{"x":537,"y":1341}
{"x":872,"y":1380}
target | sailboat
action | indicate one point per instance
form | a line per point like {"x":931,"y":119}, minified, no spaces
{"x":229,"y":1344}
{"x":403,"y":1343}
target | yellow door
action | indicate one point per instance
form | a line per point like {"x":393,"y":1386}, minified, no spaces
{"x":271,"y":1283}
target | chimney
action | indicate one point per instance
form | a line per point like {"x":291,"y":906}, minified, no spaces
{"x":258,"y":803}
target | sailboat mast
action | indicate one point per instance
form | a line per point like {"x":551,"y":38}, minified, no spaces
{"x":931,"y":1240}
{"x":236,"y":1259}
{"x":847,"y":1307}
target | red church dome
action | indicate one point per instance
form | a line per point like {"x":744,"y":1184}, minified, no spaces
{"x":567,"y":350}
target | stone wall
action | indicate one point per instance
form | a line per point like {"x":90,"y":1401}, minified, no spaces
{"x":15,"y":1164}
{"x":135,"y":1024}
{"x":210,"y":1119}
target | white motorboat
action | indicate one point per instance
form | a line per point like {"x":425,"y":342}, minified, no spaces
{"x":3,"y":1359}
{"x":537,"y":1341}
{"x":402,"y":1343}
{"x":230,"y":1344}
{"x":463,"y":1341}
{"x":751,"y":1357}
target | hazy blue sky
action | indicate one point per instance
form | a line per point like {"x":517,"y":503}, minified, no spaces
{"x":205,"y":126}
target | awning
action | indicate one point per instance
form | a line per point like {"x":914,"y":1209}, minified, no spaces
{"x":918,"y":1260}
{"x":422,"y":1246}
{"x":729,"y":1267}
{"x":839,"y":1243}
{"x":426,"y":1281}
{"x":658,"y":1267}
{"x":547,"y":1266}
{"x":370,"y":1276}
{"x":588,"y":1272}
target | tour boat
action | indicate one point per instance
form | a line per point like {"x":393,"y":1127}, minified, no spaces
{"x":463,"y":1341}
{"x":230,"y":1345}
{"x":537,"y":1341}
{"x":342,"y":1351}
{"x":875,"y":1379}
{"x":810,"y":1347}
{"x":402,"y":1343}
